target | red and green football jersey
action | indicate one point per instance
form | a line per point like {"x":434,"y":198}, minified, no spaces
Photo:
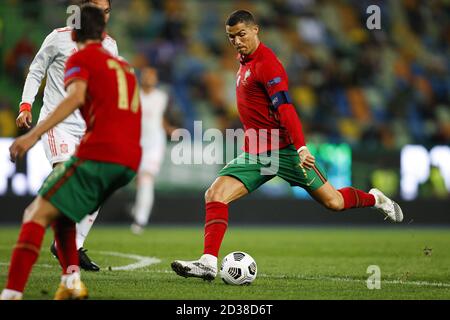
{"x":112,"y":110}
{"x":261,"y":92}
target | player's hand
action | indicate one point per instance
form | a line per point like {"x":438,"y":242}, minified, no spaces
{"x":307,"y":160}
{"x":21,"y":145}
{"x":24,"y":120}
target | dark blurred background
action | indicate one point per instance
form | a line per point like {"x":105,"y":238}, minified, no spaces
{"x":374,"y":103}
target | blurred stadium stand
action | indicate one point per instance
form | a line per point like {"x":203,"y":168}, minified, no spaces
{"x":375,"y":91}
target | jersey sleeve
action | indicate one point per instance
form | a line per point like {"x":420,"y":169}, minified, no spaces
{"x":39,"y":66}
{"x":275,"y":81}
{"x":76,"y":69}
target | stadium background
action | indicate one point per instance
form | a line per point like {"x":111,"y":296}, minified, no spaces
{"x":374,"y":103}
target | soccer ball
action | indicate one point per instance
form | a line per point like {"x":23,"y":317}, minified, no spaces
{"x":238,"y":268}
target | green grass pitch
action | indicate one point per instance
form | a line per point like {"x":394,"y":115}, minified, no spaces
{"x":293,"y":263}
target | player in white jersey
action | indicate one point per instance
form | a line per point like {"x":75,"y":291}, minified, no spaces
{"x":153,"y":140}
{"x":60,"y":143}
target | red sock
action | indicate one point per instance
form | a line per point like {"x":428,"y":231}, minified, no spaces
{"x":354,"y":198}
{"x":216,"y":224}
{"x":25,"y":255}
{"x":65,"y":237}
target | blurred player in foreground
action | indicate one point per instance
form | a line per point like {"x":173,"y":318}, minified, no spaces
{"x":154,"y":126}
{"x":264,"y":105}
{"x":106,"y":91}
{"x":61,"y":141}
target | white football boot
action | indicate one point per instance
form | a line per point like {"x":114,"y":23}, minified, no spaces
{"x":204,"y":268}
{"x":388,"y":207}
{"x":8,"y":294}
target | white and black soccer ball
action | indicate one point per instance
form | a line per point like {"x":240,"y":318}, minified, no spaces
{"x":238,"y":268}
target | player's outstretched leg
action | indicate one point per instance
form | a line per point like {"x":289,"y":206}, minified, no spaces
{"x":224,"y":190}
{"x":347,"y":198}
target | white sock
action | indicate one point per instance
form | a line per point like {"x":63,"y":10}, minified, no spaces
{"x":145,"y":196}
{"x":84,"y":227}
{"x":209,"y":259}
{"x":8,"y":294}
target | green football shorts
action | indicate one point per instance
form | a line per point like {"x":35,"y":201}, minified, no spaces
{"x":78,"y":187}
{"x":255,"y":170}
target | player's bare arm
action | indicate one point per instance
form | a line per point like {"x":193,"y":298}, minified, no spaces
{"x":74,"y":100}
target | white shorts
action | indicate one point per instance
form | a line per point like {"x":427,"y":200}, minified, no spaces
{"x":59,"y":145}
{"x":152,"y":158}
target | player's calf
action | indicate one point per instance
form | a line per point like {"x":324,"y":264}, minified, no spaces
{"x":334,"y":203}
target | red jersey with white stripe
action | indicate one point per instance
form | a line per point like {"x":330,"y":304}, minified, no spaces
{"x":262,"y":86}
{"x":112,"y":110}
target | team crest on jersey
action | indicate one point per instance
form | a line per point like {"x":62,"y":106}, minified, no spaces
{"x":64,"y":148}
{"x":247,"y":74}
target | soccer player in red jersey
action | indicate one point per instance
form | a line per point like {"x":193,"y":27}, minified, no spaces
{"x":61,"y":142}
{"x":273,"y":131}
{"x":106,"y":91}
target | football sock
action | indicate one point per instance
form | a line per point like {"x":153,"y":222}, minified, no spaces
{"x":144,"y":200}
{"x":354,"y":198}
{"x":65,"y":233}
{"x":25,"y":255}
{"x":216,"y":224}
{"x":84,"y":227}
{"x":69,"y":279}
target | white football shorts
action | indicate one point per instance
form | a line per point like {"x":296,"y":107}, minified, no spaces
{"x":59,"y":145}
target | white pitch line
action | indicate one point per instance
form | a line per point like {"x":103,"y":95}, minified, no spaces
{"x":142,"y":261}
{"x":146,"y":261}
{"x":300,"y":277}
{"x":414,"y":283}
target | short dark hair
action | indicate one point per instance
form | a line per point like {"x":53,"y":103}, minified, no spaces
{"x":89,"y":1}
{"x":92,"y":24}
{"x":240,"y":16}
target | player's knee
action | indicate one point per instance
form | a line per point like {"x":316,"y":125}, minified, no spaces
{"x":334,"y":204}
{"x":27,"y":214}
{"x":37,"y":214}
{"x":213,"y":195}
